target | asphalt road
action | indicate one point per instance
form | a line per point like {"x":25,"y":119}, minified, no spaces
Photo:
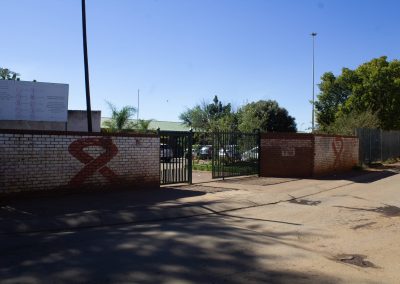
{"x":343,"y":230}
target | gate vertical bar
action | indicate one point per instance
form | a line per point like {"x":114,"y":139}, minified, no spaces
{"x":190,"y":144}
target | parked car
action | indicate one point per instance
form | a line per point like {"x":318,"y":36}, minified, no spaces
{"x":250,"y":155}
{"x":206,"y":152}
{"x":166,"y":153}
{"x":195,"y":153}
{"x":230,"y":151}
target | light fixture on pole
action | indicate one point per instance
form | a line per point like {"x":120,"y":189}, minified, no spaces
{"x":313,"y":84}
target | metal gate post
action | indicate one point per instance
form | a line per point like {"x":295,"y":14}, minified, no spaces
{"x":190,"y":156}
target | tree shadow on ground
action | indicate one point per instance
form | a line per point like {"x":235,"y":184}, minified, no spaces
{"x":190,"y":250}
{"x":386,"y":210}
{"x":360,"y":176}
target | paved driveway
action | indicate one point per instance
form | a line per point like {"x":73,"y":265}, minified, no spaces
{"x":252,"y":230}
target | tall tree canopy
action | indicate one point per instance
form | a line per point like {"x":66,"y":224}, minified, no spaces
{"x":263,"y":115}
{"x":210,"y":116}
{"x":266,"y":116}
{"x":334,"y":93}
{"x":373,"y":88}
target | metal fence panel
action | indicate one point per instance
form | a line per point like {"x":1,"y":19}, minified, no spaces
{"x":377,"y":145}
{"x":235,"y":154}
{"x":175,"y":157}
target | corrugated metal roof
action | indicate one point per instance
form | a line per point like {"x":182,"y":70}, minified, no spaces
{"x":163,"y":125}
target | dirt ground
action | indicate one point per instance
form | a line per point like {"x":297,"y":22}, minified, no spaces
{"x":340,"y":229}
{"x":348,"y":230}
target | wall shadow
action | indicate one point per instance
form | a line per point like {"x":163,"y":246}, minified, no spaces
{"x":356,"y":176}
{"x":81,"y":202}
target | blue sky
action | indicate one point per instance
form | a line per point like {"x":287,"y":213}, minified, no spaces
{"x":181,"y":52}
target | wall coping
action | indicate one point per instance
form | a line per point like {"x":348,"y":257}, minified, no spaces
{"x":74,"y":133}
{"x":285,"y":135}
{"x":334,"y":135}
{"x":279,"y":135}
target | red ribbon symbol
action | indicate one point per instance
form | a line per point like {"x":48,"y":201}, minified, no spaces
{"x":337,"y":152}
{"x":93,"y":164}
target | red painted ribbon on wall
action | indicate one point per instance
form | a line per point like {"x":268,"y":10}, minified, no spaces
{"x":92,"y":165}
{"x":337,"y":150}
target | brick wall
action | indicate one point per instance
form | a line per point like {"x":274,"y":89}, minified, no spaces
{"x":286,"y":154}
{"x":40,"y":160}
{"x":306,"y":155}
{"x":335,"y":154}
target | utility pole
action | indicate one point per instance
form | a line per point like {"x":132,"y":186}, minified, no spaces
{"x":313,"y":80}
{"x":85,"y":58}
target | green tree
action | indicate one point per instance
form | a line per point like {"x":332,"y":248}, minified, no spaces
{"x":120,"y":119}
{"x":378,"y":91}
{"x":210,"y":116}
{"x":195,"y":117}
{"x":7,"y":74}
{"x":334,"y":93}
{"x":266,"y":116}
{"x":372,"y":88}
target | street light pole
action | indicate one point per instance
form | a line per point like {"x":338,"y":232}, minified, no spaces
{"x":85,"y":58}
{"x":313,"y":81}
{"x":137,"y":106}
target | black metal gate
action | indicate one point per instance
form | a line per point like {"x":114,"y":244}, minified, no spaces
{"x":235,"y":154}
{"x":175,"y":157}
